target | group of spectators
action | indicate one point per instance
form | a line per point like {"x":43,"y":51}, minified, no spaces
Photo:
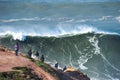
{"x":42,"y":58}
{"x":16,"y":48}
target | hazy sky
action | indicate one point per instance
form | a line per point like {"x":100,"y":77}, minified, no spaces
{"x":57,"y":1}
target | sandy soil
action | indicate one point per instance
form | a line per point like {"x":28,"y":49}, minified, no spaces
{"x":8,"y":60}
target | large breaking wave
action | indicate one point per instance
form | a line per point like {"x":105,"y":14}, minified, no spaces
{"x":96,"y":54}
{"x":83,"y":35}
{"x":61,"y":30}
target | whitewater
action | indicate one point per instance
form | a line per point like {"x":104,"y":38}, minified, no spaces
{"x":81,"y":34}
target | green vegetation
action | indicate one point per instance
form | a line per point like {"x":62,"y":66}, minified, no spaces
{"x":19,"y":73}
{"x":46,"y":68}
{"x":2,"y":49}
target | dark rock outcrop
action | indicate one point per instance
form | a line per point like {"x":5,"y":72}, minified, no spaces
{"x":77,"y":75}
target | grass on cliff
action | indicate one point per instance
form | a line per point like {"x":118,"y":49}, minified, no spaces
{"x":46,"y":67}
{"x":19,"y":73}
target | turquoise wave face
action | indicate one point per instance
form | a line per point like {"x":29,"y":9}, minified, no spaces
{"x":97,"y":55}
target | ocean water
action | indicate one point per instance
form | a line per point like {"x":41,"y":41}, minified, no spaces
{"x":81,"y":34}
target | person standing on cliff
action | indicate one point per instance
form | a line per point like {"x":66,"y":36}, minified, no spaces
{"x":16,"y":48}
{"x":64,"y":68}
{"x":37,"y":54}
{"x":30,"y":53}
{"x":42,"y":58}
{"x":56,"y":65}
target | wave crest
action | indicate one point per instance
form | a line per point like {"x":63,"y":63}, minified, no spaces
{"x":60,"y":19}
{"x":62,"y":30}
{"x":21,"y":19}
{"x":118,"y":18}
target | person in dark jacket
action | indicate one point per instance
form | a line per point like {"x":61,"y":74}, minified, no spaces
{"x":42,"y":58}
{"x":64,"y":68}
{"x":56,"y":65}
{"x":37,"y":54}
{"x":30,"y":53}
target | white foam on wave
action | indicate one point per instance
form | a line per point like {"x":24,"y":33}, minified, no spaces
{"x":78,"y":29}
{"x":84,"y":57}
{"x":104,"y":58}
{"x":93,"y":78}
{"x":31,"y":19}
{"x":37,"y":19}
{"x":94,"y":41}
{"x":118,"y":18}
{"x":70,"y":20}
{"x":82,"y":60}
{"x":21,"y":19}
{"x":102,"y":18}
{"x":70,"y":58}
{"x":16,"y":36}
{"x":61,"y":30}
{"x":110,"y":77}
{"x":60,"y":19}
{"x":20,"y":33}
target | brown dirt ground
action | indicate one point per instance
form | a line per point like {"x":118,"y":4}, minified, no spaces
{"x":8,"y":60}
